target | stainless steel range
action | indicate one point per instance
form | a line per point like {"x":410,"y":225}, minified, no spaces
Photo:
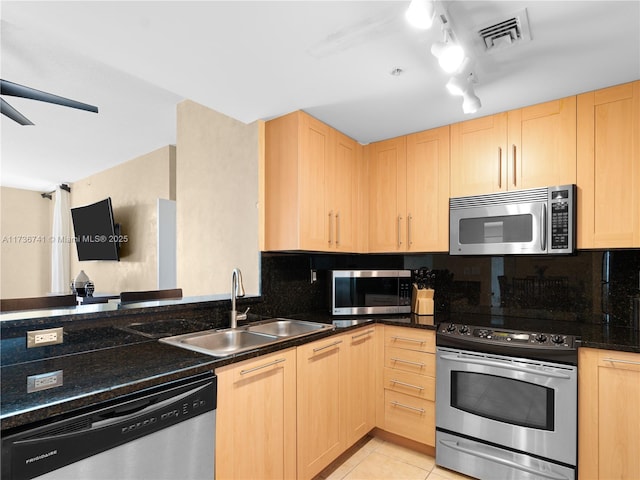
{"x":506,"y":403}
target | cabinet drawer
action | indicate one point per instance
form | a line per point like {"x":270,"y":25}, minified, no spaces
{"x":410,"y":338}
{"x":410,"y":361}
{"x":413,"y":384}
{"x":410,"y":417}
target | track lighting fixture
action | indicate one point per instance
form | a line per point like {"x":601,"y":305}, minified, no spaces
{"x":420,"y":14}
{"x":449,"y":53}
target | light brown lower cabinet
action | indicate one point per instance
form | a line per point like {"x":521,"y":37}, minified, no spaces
{"x":321,"y":403}
{"x":256,"y":418}
{"x":290,"y":414}
{"x":608,"y":415}
{"x":409,"y":384}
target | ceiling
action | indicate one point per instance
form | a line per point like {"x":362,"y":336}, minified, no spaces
{"x":256,"y":60}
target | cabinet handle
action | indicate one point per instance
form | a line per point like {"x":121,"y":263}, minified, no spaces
{"x":337,"y":228}
{"x":244,"y":372}
{"x":330,"y":227}
{"x":398,"y":404}
{"x":327,"y":346}
{"x":515,"y":180}
{"x":409,"y":218}
{"x":399,"y":230}
{"x":499,"y":167}
{"x":407,"y":339}
{"x":362,"y":334}
{"x":615,"y":360}
{"x":398,"y":382}
{"x":419,"y":364}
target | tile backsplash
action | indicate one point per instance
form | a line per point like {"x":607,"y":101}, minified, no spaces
{"x":593,"y":286}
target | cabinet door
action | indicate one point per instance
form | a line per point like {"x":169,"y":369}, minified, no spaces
{"x":342,"y":194}
{"x":609,"y":414}
{"x":360,"y":381}
{"x":427,"y":191}
{"x":321,"y":394}
{"x":255,"y":418}
{"x":609,"y":167}
{"x":479,"y":156}
{"x":315,"y":151}
{"x":542,"y":145}
{"x":387,"y":198}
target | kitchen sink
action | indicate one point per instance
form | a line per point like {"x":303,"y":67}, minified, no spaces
{"x":222,"y":343}
{"x":282,"y":327}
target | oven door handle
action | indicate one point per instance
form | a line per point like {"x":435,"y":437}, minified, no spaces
{"x":509,"y":463}
{"x":508,"y":366}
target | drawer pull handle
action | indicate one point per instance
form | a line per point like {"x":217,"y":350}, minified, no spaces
{"x":419,"y":364}
{"x":398,"y":382}
{"x":362,"y":334}
{"x":327,"y":346}
{"x":398,"y":404}
{"x":614,"y":360}
{"x":244,"y":372}
{"x":407,"y":339}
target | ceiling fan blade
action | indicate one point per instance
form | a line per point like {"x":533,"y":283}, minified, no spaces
{"x":17,"y":90}
{"x":13,"y":114}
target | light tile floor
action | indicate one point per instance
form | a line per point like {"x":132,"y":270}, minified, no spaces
{"x":373,"y":458}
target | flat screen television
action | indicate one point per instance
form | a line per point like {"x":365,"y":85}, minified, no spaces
{"x":96,"y":234}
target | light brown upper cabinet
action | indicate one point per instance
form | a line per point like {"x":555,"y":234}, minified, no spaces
{"x":525,"y":148}
{"x":311,"y":185}
{"x":409,"y":192}
{"x":609,"y":167}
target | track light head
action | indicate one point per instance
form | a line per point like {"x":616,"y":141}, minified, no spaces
{"x":420,"y":14}
{"x":471,"y":103}
{"x":450,"y":55}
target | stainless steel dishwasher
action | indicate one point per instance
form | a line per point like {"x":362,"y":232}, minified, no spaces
{"x":167,"y":433}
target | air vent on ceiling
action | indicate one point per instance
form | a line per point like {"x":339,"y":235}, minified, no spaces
{"x":505,"y":33}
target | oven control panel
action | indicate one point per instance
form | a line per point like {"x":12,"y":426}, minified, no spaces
{"x":503,"y":336}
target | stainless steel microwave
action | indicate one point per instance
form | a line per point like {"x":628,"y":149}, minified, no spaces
{"x":368,"y":292}
{"x":534,"y":221}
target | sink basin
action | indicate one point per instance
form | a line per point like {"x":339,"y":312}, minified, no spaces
{"x":221,"y":343}
{"x":282,"y":327}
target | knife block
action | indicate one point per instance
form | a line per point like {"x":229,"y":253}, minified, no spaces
{"x":422,"y":300}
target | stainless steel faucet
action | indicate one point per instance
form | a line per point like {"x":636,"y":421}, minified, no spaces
{"x":237,"y":290}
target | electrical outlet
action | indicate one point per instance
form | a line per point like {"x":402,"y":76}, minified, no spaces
{"x":42,"y":338}
{"x":44,"y":381}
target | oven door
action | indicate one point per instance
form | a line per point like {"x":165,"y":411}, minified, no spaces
{"x":521,"y":404}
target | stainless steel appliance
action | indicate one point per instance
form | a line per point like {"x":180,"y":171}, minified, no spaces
{"x":368,"y":292}
{"x":166,"y":433}
{"x":533,"y":221}
{"x":506,"y":403}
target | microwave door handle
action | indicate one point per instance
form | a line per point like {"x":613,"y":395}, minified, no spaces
{"x":543,"y":230}
{"x":506,"y":365}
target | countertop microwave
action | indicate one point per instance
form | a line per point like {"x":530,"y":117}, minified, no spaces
{"x":534,"y":221}
{"x":368,"y":292}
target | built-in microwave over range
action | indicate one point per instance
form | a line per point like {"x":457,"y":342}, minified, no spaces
{"x":369,"y":292}
{"x":534,"y":221}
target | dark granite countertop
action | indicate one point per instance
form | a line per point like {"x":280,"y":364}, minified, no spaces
{"x":130,"y":362}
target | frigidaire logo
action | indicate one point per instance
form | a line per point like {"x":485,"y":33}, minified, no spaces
{"x":41,"y":457}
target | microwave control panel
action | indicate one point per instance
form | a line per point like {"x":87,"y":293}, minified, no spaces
{"x":562,"y":219}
